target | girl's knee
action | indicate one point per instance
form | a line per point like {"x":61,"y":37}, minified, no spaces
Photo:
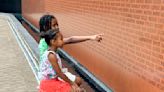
{"x":78,"y":81}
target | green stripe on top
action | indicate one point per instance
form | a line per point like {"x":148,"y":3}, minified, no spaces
{"x":42,"y":47}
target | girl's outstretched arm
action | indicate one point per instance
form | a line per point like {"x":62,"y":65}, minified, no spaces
{"x":77,"y":39}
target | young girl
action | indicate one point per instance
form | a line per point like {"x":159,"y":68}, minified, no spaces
{"x":51,"y":67}
{"x":50,"y":22}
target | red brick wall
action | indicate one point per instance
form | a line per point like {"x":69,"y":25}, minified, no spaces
{"x":32,"y":10}
{"x":131,"y":56}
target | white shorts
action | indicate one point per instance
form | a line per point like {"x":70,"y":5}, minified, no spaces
{"x":70,"y":76}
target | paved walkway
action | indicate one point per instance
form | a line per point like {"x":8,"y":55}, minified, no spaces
{"x":15,"y":72}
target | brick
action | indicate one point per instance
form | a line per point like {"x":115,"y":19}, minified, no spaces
{"x":135,"y":6}
{"x":157,"y":1}
{"x":148,"y":12}
{"x":159,"y":26}
{"x":155,"y":7}
{"x":159,"y":68}
{"x":152,"y":82}
{"x":162,"y":51}
{"x":131,"y":1}
{"x":140,"y":22}
{"x":128,"y":5}
{"x":139,"y":1}
{"x":154,"y":19}
{"x":144,"y":18}
{"x":138,"y":11}
{"x":136,"y":16}
{"x":122,"y":5}
{"x":162,"y":39}
{"x":148,"y":1}
{"x":161,"y":20}
{"x":145,"y":6}
{"x":145,"y":40}
{"x":156,"y":43}
{"x":162,"y":45}
{"x":162,"y":14}
{"x":130,"y":20}
{"x":162,"y":63}
{"x":162,"y":8}
{"x":155,"y":37}
{"x":125,"y":9}
{"x":156,"y":13}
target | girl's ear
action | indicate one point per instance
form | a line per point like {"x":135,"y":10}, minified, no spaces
{"x":52,"y":41}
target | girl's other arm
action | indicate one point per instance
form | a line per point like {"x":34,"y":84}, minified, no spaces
{"x":53,"y":60}
{"x":77,"y":39}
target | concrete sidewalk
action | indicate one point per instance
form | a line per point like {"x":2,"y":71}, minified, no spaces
{"x":15,"y":72}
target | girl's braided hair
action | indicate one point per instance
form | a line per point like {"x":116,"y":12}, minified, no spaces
{"x":45,"y":23}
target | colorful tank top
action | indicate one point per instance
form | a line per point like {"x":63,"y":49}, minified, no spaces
{"x":46,"y":70}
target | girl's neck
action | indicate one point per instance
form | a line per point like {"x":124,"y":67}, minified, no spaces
{"x":52,"y":48}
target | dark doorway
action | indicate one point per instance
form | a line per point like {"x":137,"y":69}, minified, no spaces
{"x":10,"y":6}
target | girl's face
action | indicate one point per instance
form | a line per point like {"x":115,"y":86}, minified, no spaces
{"x":58,"y":42}
{"x":54,"y":24}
